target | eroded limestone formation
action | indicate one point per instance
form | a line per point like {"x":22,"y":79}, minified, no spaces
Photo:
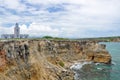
{"x":46,"y":59}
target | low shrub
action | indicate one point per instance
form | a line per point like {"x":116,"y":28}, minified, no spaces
{"x":61,"y":64}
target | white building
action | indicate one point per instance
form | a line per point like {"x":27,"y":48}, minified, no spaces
{"x":16,"y":33}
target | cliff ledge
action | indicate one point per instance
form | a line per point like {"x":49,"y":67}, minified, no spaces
{"x":46,"y":59}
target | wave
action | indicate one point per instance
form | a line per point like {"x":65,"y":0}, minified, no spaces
{"x":114,"y":63}
{"x":78,"y":66}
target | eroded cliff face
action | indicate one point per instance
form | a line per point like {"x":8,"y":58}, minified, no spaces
{"x":46,"y":59}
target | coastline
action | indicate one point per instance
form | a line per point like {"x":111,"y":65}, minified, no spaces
{"x":49,"y":59}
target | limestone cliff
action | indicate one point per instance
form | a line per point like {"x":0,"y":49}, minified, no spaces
{"x":46,"y":59}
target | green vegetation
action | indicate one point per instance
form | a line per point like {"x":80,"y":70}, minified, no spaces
{"x":54,"y":38}
{"x":61,"y":64}
{"x":47,"y":37}
{"x":104,"y":39}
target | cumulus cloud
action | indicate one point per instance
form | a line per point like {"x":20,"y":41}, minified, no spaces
{"x":63,"y":18}
{"x":36,"y":29}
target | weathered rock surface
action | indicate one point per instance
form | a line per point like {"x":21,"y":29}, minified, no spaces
{"x":46,"y":59}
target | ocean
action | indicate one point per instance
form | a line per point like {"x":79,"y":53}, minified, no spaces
{"x":97,"y":71}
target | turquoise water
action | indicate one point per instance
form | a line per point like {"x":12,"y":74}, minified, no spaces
{"x":114,"y":50}
{"x":102,"y":71}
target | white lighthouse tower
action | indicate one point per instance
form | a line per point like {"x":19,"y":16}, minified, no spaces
{"x":17,"y":31}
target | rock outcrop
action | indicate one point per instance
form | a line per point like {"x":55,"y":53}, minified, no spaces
{"x":46,"y":59}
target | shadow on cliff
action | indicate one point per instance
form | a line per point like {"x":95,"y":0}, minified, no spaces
{"x":46,"y":59}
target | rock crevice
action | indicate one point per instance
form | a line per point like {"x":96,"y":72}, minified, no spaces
{"x":46,"y":59}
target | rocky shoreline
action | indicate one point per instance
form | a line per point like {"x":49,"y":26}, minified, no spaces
{"x":47,"y":59}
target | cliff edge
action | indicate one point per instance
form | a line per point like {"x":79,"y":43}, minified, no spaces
{"x":47,"y":59}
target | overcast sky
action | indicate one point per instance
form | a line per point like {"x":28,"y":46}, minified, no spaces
{"x":61,"y":18}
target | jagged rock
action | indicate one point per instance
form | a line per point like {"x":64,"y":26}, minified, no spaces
{"x":67,"y":75}
{"x":40,"y":59}
{"x":2,"y":60}
{"x":102,"y":57}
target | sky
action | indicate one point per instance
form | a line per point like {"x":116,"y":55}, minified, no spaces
{"x":61,"y":18}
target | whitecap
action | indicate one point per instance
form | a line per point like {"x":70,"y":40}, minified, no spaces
{"x":113,"y":63}
{"x":97,"y":63}
{"x":99,"y":68}
{"x":78,"y":66}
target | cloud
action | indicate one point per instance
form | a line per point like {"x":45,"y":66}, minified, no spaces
{"x":16,"y":5}
{"x":36,"y":29}
{"x":63,"y":18}
{"x":6,"y":30}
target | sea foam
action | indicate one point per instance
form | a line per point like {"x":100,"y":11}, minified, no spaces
{"x":78,"y":66}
